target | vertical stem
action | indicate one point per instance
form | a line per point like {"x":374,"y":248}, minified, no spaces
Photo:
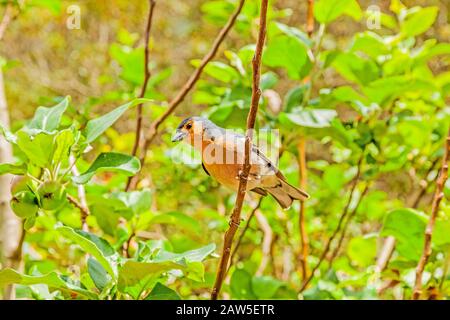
{"x":138,"y":134}
{"x":310,"y":18}
{"x":438,"y":195}
{"x":82,"y":205}
{"x":344,"y":229}
{"x":251,"y":119}
{"x":6,"y":20}
{"x":385,"y":253}
{"x":304,"y":242}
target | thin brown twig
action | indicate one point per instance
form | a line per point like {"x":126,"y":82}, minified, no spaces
{"x":310,"y":18}
{"x":251,"y":119}
{"x":7,"y":18}
{"x":438,"y":195}
{"x":173,"y":104}
{"x":127,"y":244}
{"x":385,"y":253}
{"x":338,"y":228}
{"x":425,"y":185}
{"x":346,"y":224}
{"x":241,"y":236}
{"x":304,"y":242}
{"x":147,"y":75}
{"x":83,"y":210}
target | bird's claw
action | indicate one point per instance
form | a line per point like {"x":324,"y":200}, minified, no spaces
{"x":249,"y":177}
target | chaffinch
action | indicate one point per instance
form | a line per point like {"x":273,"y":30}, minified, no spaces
{"x":223,"y":154}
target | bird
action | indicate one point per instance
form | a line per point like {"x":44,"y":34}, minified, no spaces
{"x":223,"y":154}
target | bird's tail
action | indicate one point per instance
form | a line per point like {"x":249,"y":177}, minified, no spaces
{"x":285,"y":193}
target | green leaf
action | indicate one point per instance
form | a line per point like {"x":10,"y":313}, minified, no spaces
{"x":363,"y":250}
{"x":10,"y":168}
{"x":131,"y":61}
{"x":288,"y":52}
{"x":138,"y":201}
{"x":218,"y":70}
{"x":10,"y":137}
{"x":195,"y":255}
{"x":441,"y":232}
{"x":369,"y":43}
{"x":38,"y":149}
{"x":48,"y":119}
{"x":53,"y":280}
{"x":333,"y":178}
{"x":101,"y":243}
{"x":396,"y":6}
{"x":161,"y":292}
{"x":108,"y":211}
{"x":325,"y":11}
{"x":268,"y":80}
{"x":265,"y":287}
{"x":53,"y":5}
{"x":178,"y":219}
{"x":309,"y":117}
{"x":355,"y":68}
{"x":294,"y":97}
{"x":95,"y":127}
{"x":241,"y":285}
{"x":88,"y":246}
{"x":418,"y":20}
{"x":135,"y":277}
{"x":29,"y":223}
{"x":388,"y":88}
{"x":64,"y":140}
{"x":408,"y":227}
{"x":110,"y":161}
{"x":97,"y":273}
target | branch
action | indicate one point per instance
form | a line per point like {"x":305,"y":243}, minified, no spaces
{"x":310,"y":18}
{"x":7,"y":18}
{"x":84,"y":210}
{"x":344,"y":229}
{"x":304,"y":242}
{"x":338,"y":228}
{"x":241,"y":236}
{"x":251,"y":119}
{"x":137,"y":139}
{"x":438,"y":195}
{"x":424,"y":185}
{"x":173,"y":104}
{"x":82,"y":205}
{"x":385,"y":253}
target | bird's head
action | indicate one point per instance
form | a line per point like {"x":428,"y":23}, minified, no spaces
{"x":195,"y":128}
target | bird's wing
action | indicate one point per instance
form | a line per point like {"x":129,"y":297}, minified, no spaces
{"x":258,"y":159}
{"x":261,"y":164}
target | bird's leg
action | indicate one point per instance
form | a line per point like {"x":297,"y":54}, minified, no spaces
{"x":240,"y":175}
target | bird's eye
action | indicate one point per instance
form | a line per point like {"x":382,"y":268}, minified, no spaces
{"x":189,"y":126}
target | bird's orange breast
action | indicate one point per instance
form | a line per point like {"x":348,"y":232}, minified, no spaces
{"x":222,"y":163}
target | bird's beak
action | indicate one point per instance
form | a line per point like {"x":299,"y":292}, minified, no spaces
{"x":178,"y":136}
